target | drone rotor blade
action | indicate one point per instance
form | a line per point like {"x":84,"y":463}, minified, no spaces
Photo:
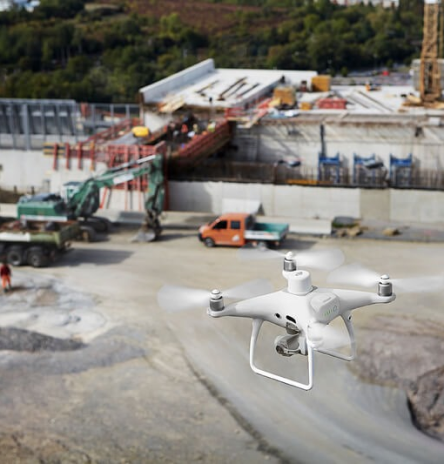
{"x":249,"y":289}
{"x":323,"y":260}
{"x":354,"y":274}
{"x":257,"y":253}
{"x":174,"y":298}
{"x":316,"y":259}
{"x":418,"y":284}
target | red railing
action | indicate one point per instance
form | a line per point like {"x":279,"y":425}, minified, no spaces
{"x":119,"y":154}
{"x":205,"y":143}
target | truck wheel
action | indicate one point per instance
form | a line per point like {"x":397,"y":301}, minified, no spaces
{"x":36,"y":258}
{"x":88,"y":234}
{"x":209,"y":242}
{"x":100,"y":225}
{"x":14,"y":256}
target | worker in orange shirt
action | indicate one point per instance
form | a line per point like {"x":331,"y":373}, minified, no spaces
{"x":5,"y":274}
{"x":184,"y":133}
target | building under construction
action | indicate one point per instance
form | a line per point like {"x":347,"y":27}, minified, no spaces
{"x":295,"y":127}
{"x":280,"y":138}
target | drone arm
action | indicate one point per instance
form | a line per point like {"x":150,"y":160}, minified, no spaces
{"x":257,"y":324}
{"x":352,"y":299}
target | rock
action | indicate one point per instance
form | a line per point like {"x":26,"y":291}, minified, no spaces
{"x":341,"y":233}
{"x":389,"y":352}
{"x":354,"y":231}
{"x":348,"y":231}
{"x":426,"y":402}
{"x":391,"y":231}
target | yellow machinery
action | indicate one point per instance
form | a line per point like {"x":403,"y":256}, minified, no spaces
{"x":283,"y":97}
{"x":140,"y":131}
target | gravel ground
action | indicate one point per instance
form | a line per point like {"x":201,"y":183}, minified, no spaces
{"x":91,"y":370}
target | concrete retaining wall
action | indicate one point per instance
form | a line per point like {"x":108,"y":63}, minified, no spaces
{"x":31,"y":169}
{"x":25,"y":170}
{"x":312,"y":202}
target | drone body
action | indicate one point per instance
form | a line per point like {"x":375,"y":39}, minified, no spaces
{"x":304,"y":311}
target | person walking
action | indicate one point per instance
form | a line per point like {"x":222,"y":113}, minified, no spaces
{"x":5,"y":274}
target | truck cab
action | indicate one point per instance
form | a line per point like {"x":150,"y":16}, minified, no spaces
{"x":225,"y":230}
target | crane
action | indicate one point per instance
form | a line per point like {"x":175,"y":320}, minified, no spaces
{"x":430,"y":73}
{"x":81,"y":200}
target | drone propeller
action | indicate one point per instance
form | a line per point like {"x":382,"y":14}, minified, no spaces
{"x":355,"y":274}
{"x":174,"y":298}
{"x":324,"y":260}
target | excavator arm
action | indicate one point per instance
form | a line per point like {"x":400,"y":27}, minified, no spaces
{"x":154,"y":201}
{"x":83,"y":198}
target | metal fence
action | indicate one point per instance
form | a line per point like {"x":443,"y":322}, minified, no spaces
{"x":280,"y":173}
{"x":28,"y":124}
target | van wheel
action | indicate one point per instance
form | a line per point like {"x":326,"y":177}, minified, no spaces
{"x":209,"y":242}
{"x":14,"y":256}
{"x":262,"y":245}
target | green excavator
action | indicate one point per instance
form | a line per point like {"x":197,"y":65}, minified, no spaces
{"x":81,"y":200}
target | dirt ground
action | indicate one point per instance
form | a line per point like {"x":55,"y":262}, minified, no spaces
{"x":91,"y":369}
{"x":91,"y":373}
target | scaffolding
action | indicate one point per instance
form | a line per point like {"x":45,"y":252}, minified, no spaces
{"x":368,"y":171}
{"x":401,"y":171}
{"x":329,"y":168}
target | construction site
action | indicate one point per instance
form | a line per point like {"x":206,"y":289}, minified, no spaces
{"x":287,"y":134}
{"x":93,"y":369}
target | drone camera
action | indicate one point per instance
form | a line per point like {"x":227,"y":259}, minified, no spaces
{"x":216,"y":301}
{"x":385,"y":287}
{"x":289,"y":345}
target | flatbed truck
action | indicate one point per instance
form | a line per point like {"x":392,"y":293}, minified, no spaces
{"x":35,"y":243}
{"x":238,"y":229}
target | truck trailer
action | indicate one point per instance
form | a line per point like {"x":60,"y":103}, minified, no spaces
{"x":35,"y":243}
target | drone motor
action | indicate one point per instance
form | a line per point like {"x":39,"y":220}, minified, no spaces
{"x":216,"y":300}
{"x":385,"y":288}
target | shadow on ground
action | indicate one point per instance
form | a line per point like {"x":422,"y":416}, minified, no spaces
{"x":91,"y":255}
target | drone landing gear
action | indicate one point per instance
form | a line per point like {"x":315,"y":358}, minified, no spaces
{"x":288,"y":347}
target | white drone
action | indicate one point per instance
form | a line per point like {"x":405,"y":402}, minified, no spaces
{"x":303,"y":310}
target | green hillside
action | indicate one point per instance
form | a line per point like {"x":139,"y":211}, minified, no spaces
{"x":104,"y":51}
